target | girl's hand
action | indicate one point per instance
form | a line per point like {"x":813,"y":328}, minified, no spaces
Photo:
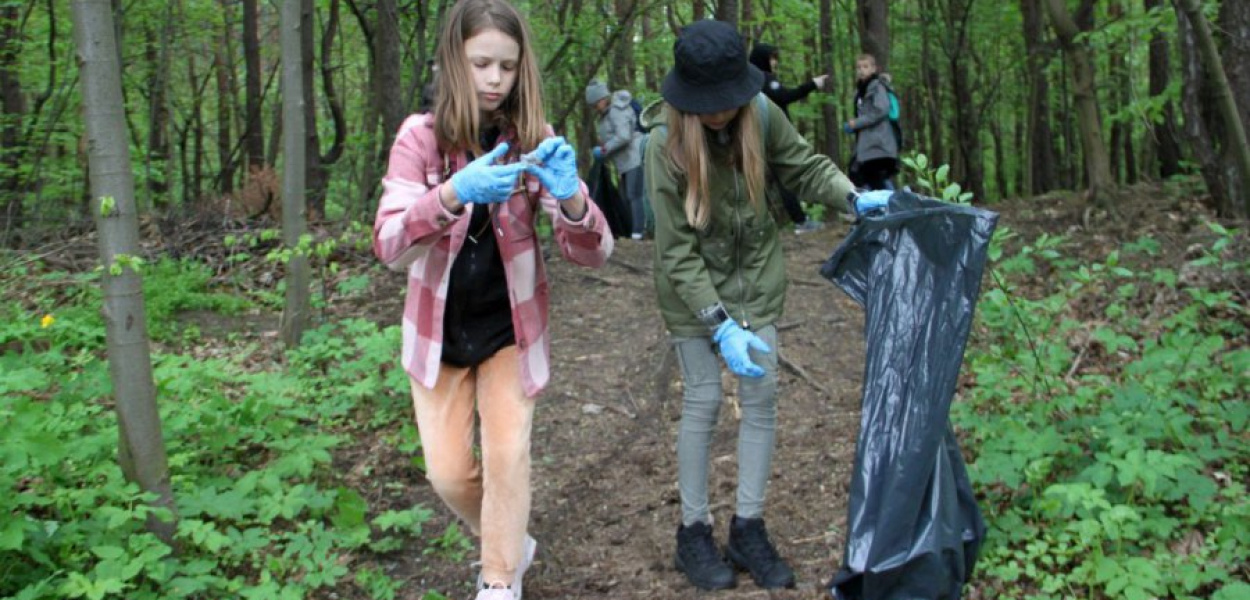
{"x":557,"y":168}
{"x":484,"y":182}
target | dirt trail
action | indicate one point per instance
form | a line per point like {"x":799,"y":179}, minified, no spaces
{"x":605,"y":505}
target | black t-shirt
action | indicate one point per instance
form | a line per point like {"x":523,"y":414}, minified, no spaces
{"x":477,"y":321}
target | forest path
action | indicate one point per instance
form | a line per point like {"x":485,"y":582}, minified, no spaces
{"x":605,"y":503}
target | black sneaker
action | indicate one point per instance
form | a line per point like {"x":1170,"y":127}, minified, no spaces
{"x":749,"y":549}
{"x":698,"y":558}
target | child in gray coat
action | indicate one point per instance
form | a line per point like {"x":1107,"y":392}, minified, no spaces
{"x":620,"y":141}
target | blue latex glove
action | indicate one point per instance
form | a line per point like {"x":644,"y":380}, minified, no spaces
{"x":871,"y":201}
{"x":484,"y":182}
{"x":846,"y":128}
{"x":597,"y":152}
{"x":558,"y":168}
{"x":735,"y":343}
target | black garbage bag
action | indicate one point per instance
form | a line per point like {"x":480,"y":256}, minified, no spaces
{"x":605,"y":195}
{"x":914,"y":529}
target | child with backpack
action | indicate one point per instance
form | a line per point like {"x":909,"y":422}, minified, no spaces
{"x":876,"y":140}
{"x":462,"y":194}
{"x":721,"y":279}
{"x":620,"y":141}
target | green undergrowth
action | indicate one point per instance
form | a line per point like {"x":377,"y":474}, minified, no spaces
{"x":1105,"y":420}
{"x":262,"y":510}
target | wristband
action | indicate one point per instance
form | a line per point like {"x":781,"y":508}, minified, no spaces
{"x":713,"y":316}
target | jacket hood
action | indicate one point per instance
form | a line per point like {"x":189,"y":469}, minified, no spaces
{"x":621,"y":98}
{"x":760,"y":56}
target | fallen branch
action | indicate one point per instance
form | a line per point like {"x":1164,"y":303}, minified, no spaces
{"x":802,"y":373}
{"x":616,"y":261}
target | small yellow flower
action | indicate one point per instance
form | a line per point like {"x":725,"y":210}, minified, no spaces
{"x":47,"y":321}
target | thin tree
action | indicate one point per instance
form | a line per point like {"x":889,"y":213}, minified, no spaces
{"x":253,"y":132}
{"x":1163,"y":128}
{"x":874,"y":30}
{"x":1097,"y":163}
{"x":141,"y":450}
{"x":295,"y":311}
{"x":12,"y":111}
{"x":1039,"y":174}
{"x":1235,"y":130}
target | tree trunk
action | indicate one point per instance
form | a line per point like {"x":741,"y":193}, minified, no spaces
{"x":1163,"y":131}
{"x":141,"y":450}
{"x":1000,"y":162}
{"x":156,"y":161}
{"x":621,"y":70}
{"x":874,"y":30}
{"x":1097,"y":165}
{"x":222,"y":69}
{"x":12,"y":115}
{"x":315,"y":173}
{"x":254,"y":132}
{"x":727,"y":11}
{"x":1210,"y":110}
{"x":832,"y":124}
{"x":388,"y":67}
{"x":967,"y":163}
{"x":294,"y":151}
{"x":1041,"y":154}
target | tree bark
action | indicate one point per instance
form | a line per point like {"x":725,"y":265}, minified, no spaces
{"x":1097,"y":164}
{"x":12,"y":114}
{"x":828,"y":110}
{"x":222,"y":70}
{"x":727,"y":11}
{"x":934,"y":144}
{"x":388,"y":68}
{"x":295,"y":312}
{"x":874,"y":30}
{"x":141,"y":450}
{"x":967,"y":163}
{"x":156,"y":162}
{"x":1224,"y":159}
{"x":1039,"y":173}
{"x":1167,"y":149}
{"x":254,"y":132}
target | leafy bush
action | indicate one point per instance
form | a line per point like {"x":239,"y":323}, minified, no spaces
{"x":1107,"y":425}
{"x":261,"y":511}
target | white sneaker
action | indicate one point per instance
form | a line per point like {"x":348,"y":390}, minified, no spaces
{"x":494,"y":594}
{"x":636,"y":236}
{"x":529,"y":547}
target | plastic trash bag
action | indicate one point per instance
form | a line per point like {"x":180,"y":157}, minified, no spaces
{"x":606,"y":196}
{"x":914,"y":529}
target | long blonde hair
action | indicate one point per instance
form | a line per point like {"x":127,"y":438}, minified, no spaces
{"x":687,"y":147}
{"x":457,"y":123}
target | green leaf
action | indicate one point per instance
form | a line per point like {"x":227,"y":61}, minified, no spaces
{"x":108,"y":552}
{"x":13,"y":533}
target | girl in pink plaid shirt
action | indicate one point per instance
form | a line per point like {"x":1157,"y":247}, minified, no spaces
{"x":458,"y":210}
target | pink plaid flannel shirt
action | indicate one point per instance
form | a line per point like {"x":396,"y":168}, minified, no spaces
{"x":414,"y":232}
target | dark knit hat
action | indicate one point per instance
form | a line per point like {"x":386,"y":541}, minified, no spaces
{"x":710,"y":70}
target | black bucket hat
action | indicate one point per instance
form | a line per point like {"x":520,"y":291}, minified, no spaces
{"x":710,"y":70}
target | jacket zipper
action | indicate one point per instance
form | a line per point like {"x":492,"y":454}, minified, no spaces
{"x":737,"y":238}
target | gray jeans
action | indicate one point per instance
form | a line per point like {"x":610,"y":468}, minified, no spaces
{"x":701,"y":402}
{"x":634,"y":193}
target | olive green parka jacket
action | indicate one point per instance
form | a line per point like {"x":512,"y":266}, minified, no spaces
{"x":736,"y":260}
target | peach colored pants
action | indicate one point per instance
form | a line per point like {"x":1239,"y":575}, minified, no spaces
{"x":492,"y":495}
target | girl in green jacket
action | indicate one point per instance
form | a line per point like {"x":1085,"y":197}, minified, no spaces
{"x":720,"y":278}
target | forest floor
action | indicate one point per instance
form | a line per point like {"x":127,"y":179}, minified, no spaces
{"x":605,"y":502}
